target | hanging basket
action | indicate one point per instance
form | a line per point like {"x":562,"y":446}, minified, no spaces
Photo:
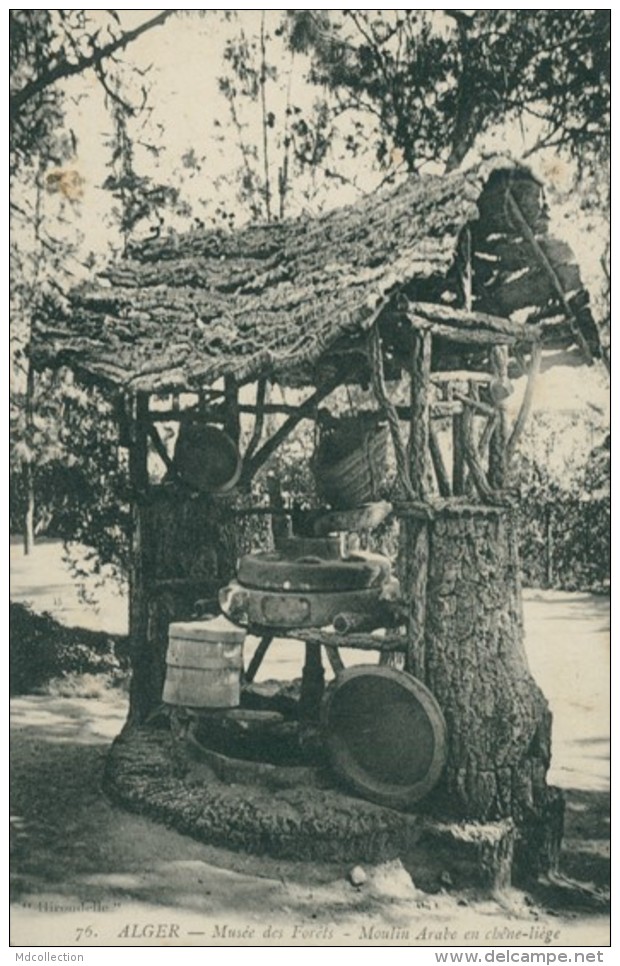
{"x":351,"y":459}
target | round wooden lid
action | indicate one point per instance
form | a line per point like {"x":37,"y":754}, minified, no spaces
{"x":385,"y":734}
{"x":206,"y":458}
{"x":217,"y":630}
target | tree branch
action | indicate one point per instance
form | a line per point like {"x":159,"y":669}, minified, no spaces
{"x":65,"y":69}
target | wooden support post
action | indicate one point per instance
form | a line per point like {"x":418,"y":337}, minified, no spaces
{"x":499,"y":436}
{"x":375,"y":354}
{"x":485,"y":435}
{"x":333,"y":656}
{"x":441,"y":473}
{"x":458,"y":456}
{"x":467,"y":273}
{"x":302,"y":412}
{"x":420,"y":412}
{"x":160,"y":448}
{"x":414,"y":532}
{"x":415,"y":559}
{"x":543,"y":260}
{"x":526,"y":404}
{"x":280,"y":524}
{"x":471,"y":458}
{"x":312,"y":685}
{"x":257,"y":658}
{"x":259,"y":418}
{"x":142,"y":701}
{"x":232,"y":423}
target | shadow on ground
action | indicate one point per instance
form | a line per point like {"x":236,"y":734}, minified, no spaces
{"x":67,"y":839}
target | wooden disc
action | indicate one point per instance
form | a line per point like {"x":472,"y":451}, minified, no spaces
{"x":385,"y":734}
{"x":206,"y":458}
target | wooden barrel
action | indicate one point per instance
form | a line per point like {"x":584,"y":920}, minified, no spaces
{"x":204,"y":663}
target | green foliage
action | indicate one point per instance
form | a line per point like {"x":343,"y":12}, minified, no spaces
{"x":82,"y":483}
{"x":46,"y":48}
{"x":32,"y":38}
{"x":433,"y":81}
{"x":41,"y":649}
{"x":284,"y":144}
{"x":565,"y":524}
{"x":140,"y":200}
{"x":64,"y":455}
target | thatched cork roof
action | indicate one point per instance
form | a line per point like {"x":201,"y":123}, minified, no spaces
{"x":179,"y":312}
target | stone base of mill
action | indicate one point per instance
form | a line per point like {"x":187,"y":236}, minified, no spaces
{"x":299,"y":814}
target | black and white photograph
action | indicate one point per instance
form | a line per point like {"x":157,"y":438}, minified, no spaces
{"x":310,"y":541}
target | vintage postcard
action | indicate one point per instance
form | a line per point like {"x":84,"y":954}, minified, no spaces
{"x":310,"y":480}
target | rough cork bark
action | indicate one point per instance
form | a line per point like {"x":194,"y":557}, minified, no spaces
{"x":185,"y":550}
{"x":474,"y":662}
{"x":295,"y":813}
{"x":181,"y":311}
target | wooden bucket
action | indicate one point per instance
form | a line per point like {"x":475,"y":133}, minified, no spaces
{"x":204,"y":662}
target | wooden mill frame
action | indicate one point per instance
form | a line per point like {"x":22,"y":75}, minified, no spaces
{"x":427,"y":280}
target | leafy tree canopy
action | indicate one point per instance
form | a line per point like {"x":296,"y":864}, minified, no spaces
{"x":47,"y":47}
{"x":436,"y":80}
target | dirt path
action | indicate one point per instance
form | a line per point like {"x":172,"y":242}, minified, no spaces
{"x":86,"y":872}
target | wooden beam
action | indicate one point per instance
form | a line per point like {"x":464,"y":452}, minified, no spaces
{"x":498,"y":438}
{"x":462,"y":336}
{"x":420,"y":416}
{"x":257,"y":658}
{"x":474,"y":404}
{"x":232,"y":423}
{"x":485,"y":491}
{"x":459,"y":375}
{"x":259,"y":409}
{"x":303,"y":412}
{"x":478,"y":323}
{"x":458,"y":456}
{"x":526,"y":403}
{"x":160,"y":448}
{"x":380,"y":390}
{"x":441,"y":473}
{"x":333,"y":656}
{"x":439,"y":410}
{"x":359,"y":642}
